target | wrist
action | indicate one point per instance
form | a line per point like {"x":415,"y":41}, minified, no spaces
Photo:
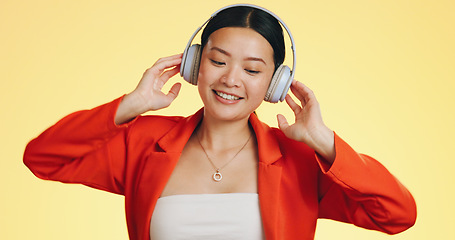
{"x":129,"y":108}
{"x":323,"y":141}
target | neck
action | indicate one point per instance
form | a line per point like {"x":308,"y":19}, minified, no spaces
{"x":219,"y":134}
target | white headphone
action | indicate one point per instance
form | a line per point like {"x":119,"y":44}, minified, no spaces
{"x":281,"y":80}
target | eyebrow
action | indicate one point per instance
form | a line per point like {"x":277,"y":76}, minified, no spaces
{"x":228,"y":54}
{"x":256,"y":59}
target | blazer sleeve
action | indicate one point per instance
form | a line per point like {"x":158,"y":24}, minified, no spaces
{"x":358,"y":189}
{"x":85,"y":147}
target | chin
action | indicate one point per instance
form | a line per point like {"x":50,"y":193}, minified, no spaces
{"x":226,"y":113}
{"x":228,"y":110}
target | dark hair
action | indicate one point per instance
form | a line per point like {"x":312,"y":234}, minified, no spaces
{"x":253,"y":18}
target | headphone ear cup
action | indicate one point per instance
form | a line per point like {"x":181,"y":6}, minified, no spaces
{"x":279,"y":85}
{"x":190,"y":64}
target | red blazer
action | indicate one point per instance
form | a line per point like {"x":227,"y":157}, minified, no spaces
{"x":295,"y":187}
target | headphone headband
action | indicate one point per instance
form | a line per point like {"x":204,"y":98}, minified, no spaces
{"x":291,"y":72}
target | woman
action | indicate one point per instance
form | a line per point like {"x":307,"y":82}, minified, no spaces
{"x":221,"y":173}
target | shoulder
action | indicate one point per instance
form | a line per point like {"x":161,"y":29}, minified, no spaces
{"x":286,"y":144}
{"x":291,"y":148}
{"x":274,"y":139}
{"x":153,"y":125}
{"x":158,"y":119}
{"x":296,"y":159}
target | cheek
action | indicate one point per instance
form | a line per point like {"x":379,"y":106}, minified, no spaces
{"x":266,"y":81}
{"x":258,"y":88}
{"x":204,"y":72}
{"x":201,"y":71}
{"x":205,"y":77}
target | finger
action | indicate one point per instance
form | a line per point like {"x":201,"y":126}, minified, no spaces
{"x":161,"y":64}
{"x":167,"y":75}
{"x":168,"y":63}
{"x":165,"y":63}
{"x":302,"y":92}
{"x":170,"y":73}
{"x":306,"y":90}
{"x":169,"y":58}
{"x":174,"y":92}
{"x":176,"y":56}
{"x":292,"y":104}
{"x":297,"y":92}
{"x":282,"y":122}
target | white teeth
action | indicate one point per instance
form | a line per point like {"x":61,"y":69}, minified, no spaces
{"x":227,"y":96}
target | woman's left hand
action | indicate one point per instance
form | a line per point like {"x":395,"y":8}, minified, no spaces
{"x":308,"y":127}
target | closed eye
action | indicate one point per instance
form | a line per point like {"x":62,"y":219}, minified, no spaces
{"x":217,"y":62}
{"x":252,"y":71}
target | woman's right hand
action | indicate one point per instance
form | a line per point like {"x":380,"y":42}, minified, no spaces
{"x":148,"y":95}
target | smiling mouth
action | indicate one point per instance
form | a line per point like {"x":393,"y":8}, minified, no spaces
{"x":226,"y":96}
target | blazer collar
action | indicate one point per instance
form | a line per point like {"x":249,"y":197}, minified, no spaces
{"x":268,"y":146}
{"x":178,"y":136}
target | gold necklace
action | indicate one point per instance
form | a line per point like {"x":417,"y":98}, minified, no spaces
{"x":217,"y":175}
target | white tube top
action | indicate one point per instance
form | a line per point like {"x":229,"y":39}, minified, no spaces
{"x":207,"y":216}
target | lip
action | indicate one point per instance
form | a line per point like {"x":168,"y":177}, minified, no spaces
{"x":226,"y":101}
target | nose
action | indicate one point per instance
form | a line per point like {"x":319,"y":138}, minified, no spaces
{"x":232,"y":77}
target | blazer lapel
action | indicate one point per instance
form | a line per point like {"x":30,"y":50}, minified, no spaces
{"x":269,"y":170}
{"x":160,"y":168}
{"x":268,"y":187}
{"x":269,"y":176}
{"x":177,"y":137}
{"x":172,"y":144}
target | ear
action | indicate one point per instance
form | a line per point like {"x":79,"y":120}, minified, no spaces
{"x":190,"y":64}
{"x":279,"y":85}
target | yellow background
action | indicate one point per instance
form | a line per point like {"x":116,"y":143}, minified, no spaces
{"x":382,"y":70}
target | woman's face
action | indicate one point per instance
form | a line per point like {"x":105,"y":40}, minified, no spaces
{"x":236,"y":68}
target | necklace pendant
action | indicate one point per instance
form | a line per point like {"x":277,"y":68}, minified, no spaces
{"x":217,"y":176}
